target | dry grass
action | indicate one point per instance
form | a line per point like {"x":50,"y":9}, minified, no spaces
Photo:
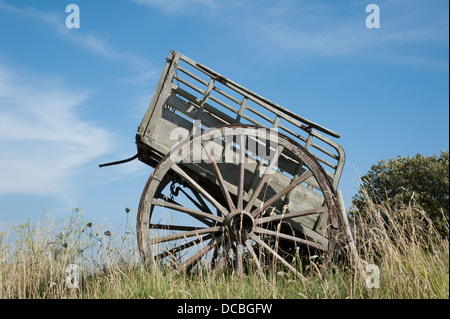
{"x":412,"y":257}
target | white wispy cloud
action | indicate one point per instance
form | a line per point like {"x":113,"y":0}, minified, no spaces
{"x":94,"y":42}
{"x":44,"y":142}
{"x":338,"y":29}
{"x":327,"y":29}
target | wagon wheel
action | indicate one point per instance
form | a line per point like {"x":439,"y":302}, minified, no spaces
{"x":229,"y":213}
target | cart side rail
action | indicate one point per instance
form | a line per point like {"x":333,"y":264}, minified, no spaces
{"x":197,"y":93}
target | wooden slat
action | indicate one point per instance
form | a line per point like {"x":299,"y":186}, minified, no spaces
{"x":155,"y":97}
{"x":192,"y":112}
{"x":171,"y":121}
{"x":283,"y":113}
{"x":157,"y":107}
{"x":252,"y":120}
{"x":160,"y":122}
{"x":205,"y":83}
{"x":208,"y":107}
{"x":241,"y":110}
{"x":273,"y":107}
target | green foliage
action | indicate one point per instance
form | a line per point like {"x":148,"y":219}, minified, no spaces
{"x":423,"y":180}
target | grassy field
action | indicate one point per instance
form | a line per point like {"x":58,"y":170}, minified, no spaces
{"x":75,"y":259}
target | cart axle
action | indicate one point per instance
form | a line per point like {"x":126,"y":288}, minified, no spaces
{"x":240,"y":225}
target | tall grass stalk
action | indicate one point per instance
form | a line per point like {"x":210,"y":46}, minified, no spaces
{"x":412,"y":257}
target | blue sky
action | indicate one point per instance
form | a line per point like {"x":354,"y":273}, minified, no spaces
{"x":73,"y":98}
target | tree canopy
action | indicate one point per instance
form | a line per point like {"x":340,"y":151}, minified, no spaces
{"x":423,"y":179}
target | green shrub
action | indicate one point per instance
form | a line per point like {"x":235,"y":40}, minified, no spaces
{"x":424,"y":180}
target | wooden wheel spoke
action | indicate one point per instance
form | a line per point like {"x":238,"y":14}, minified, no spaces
{"x":173,"y":227}
{"x":254,"y":257}
{"x":221,"y":181}
{"x":187,"y":210}
{"x":223,"y":255}
{"x":292,"y":177}
{"x":187,"y":234}
{"x":276,"y":218}
{"x":214,"y":257}
{"x":199,"y":189}
{"x":264,"y":178}
{"x":283,"y":192}
{"x":290,"y":238}
{"x":276,"y":255}
{"x":182,"y":247}
{"x":200,"y":204}
{"x":200,"y":218}
{"x":194,"y":259}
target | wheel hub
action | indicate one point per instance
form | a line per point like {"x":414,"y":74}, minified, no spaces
{"x":240,"y":225}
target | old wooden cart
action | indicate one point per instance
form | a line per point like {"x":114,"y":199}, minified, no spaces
{"x":239,"y":181}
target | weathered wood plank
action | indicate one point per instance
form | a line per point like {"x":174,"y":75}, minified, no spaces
{"x":252,"y":120}
{"x":163,"y":95}
{"x":168,"y":114}
{"x":215,"y":117}
{"x":285,"y":162}
{"x":271,"y":106}
{"x":155,"y":97}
